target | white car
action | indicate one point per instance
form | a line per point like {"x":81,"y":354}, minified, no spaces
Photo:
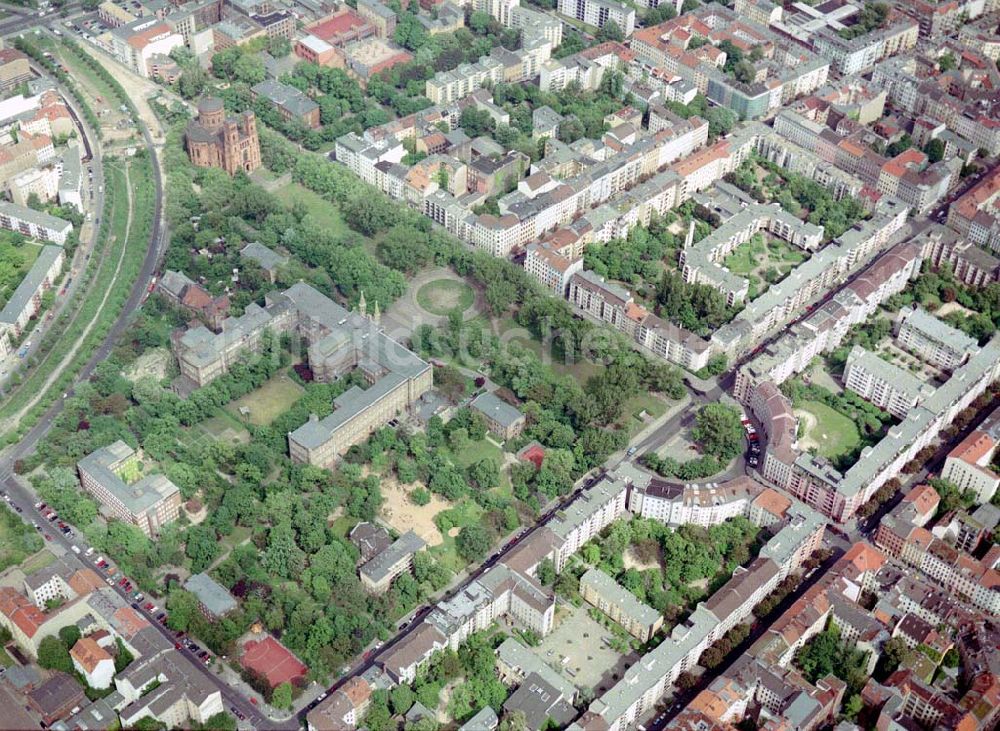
{"x":75,"y":549}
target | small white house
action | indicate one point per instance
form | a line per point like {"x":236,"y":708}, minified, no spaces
{"x":93,"y":662}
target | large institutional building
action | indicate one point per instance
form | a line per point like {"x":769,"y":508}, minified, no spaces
{"x":216,"y":141}
{"x":338,"y":341}
{"x":113,"y":476}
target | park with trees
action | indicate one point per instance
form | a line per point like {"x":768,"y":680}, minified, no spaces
{"x":272,"y":535}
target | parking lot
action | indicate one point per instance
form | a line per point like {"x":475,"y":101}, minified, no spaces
{"x":579,"y":648}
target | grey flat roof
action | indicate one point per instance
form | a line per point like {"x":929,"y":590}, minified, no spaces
{"x":38,"y":218}
{"x":406,"y":545}
{"x":514,"y":654}
{"x":213,"y":595}
{"x":616,"y":594}
{"x":899,"y":378}
{"x":138,"y":496}
{"x":285,"y":96}
{"x":494,"y":408}
{"x":485,"y":720}
{"x":30,"y":284}
{"x":71,"y":170}
{"x":268,"y":259}
{"x":937,"y":330}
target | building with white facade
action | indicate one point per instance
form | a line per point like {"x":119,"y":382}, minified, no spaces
{"x":933,"y":340}
{"x":134,"y":44}
{"x":600,"y":12}
{"x":884,"y":384}
{"x":34,"y":224}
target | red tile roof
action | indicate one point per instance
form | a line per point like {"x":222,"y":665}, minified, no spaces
{"x":19,"y":610}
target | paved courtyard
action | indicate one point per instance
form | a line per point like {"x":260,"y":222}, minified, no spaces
{"x":591,"y":663}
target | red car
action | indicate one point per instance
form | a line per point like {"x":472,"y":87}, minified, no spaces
{"x":48,"y":537}
{"x":148,"y":606}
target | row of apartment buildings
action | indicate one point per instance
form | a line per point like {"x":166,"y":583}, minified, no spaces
{"x":510,"y":589}
{"x":811,"y":478}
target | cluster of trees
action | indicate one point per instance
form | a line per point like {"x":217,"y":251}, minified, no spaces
{"x":699,"y":308}
{"x":696,"y":468}
{"x":934,"y":287}
{"x":827,"y":654}
{"x":636,"y":259}
{"x":689,"y":556}
{"x":872,"y":17}
{"x":719,"y":432}
{"x":869,"y":335}
{"x":797,"y":194}
{"x":951,"y":495}
{"x":584,"y":111}
{"x":736,"y":65}
{"x":427,"y":459}
{"x":784,"y":588}
{"x":716,"y":653}
{"x":474,"y":665}
{"x":20,"y":540}
{"x":904,"y":143}
{"x":14,"y":263}
{"x":881,"y":497}
{"x":721,"y":120}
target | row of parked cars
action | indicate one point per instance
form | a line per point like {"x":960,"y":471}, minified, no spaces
{"x":753,"y":442}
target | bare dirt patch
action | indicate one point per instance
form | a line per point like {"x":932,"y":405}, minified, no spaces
{"x":400,"y":512}
{"x":948,"y":307}
{"x":154,"y":363}
{"x":807,"y":425}
{"x":699,"y":584}
{"x":634,"y":562}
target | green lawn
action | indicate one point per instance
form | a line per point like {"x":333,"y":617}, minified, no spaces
{"x":475,"y":451}
{"x":443,"y":296}
{"x":753,"y":258}
{"x":5,"y":659}
{"x":268,"y":402}
{"x":464,"y":513}
{"x":653,"y":406}
{"x":321,"y":211}
{"x":37,"y":562}
{"x":746,"y":257}
{"x":833,"y":434}
{"x":343,"y":525}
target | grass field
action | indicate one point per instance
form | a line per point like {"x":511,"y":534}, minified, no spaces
{"x":443,"y":296}
{"x":223,"y":427}
{"x":753,"y":258}
{"x":827,"y":431}
{"x":475,"y":451}
{"x":653,"y":406}
{"x":268,"y":402}
{"x":37,"y":562}
{"x":465,"y":513}
{"x":321,"y":211}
